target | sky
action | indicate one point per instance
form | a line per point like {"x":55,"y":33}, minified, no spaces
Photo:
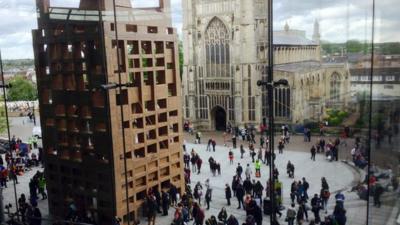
{"x":340,"y":20}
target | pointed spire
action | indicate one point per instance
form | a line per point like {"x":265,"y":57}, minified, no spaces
{"x":316,"y":35}
{"x":286,"y":26}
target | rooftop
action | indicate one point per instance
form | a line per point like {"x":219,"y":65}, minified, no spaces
{"x":298,"y":67}
{"x":292,"y":37}
{"x":377,"y":71}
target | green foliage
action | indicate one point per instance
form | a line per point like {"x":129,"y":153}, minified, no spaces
{"x":390,"y":48}
{"x":356,"y":46}
{"x":378,"y":120}
{"x":336,"y":117}
{"x":3,"y":122}
{"x":180,"y":47}
{"x":21,"y":90}
{"x":17,"y":63}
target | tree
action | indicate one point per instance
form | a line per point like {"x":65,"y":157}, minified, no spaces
{"x":180,"y":46}
{"x":21,"y":90}
{"x":355,"y":46}
{"x":3,"y":122}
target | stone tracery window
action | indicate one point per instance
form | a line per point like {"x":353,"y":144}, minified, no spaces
{"x":335,"y":87}
{"x":282,"y":101}
{"x":217,"y":49}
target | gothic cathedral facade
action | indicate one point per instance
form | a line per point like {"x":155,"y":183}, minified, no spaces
{"x":225,"y":49}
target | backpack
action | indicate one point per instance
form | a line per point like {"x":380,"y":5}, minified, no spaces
{"x":291,"y":213}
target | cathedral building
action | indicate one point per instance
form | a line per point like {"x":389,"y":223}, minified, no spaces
{"x":226,"y":52}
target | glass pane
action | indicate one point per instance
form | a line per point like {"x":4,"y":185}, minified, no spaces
{"x":385,"y":111}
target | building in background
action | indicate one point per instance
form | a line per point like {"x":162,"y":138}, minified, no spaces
{"x":386,"y":81}
{"x":75,"y":54}
{"x":225,"y":54}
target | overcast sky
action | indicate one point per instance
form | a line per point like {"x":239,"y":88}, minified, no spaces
{"x":340,"y":20}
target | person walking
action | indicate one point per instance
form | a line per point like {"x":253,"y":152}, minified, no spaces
{"x":257,"y":213}
{"x":228,"y":194}
{"x":252,"y":152}
{"x":186,"y":159}
{"x":242,"y":151}
{"x":260,"y":154}
{"x":239,"y":170}
{"x":198,"y":163}
{"x":281,"y":146}
{"x":313,"y":152}
{"x":165,"y":202}
{"x":234,"y":141}
{"x":377,"y":195}
{"x":42,"y":185}
{"x":300,"y":215}
{"x":213,"y":143}
{"x":339,"y":197}
{"x":199,"y":215}
{"x":325,"y":194}
{"x":151,"y":209}
{"x":198,"y":192}
{"x":208,"y":198}
{"x":267,"y":157}
{"x":258,"y":168}
{"x":258,"y":190}
{"x":316,"y":207}
{"x":173,"y":192}
{"x":262,"y":141}
{"x":290,"y":169}
{"x":339,"y":214}
{"x":291,"y":214}
{"x":230,"y":156}
{"x":193,"y":160}
{"x":247,"y":186}
{"x":248,"y":171}
{"x":304,"y":209}
{"x":240,"y":195}
{"x":309,"y":135}
{"x":209,"y":145}
{"x":198,"y":137}
{"x":306,"y":186}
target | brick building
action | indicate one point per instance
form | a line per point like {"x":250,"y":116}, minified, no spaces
{"x":75,"y":54}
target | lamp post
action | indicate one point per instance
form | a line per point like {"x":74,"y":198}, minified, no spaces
{"x":271,"y":85}
{"x":4,"y":86}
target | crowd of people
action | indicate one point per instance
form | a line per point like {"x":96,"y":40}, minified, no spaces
{"x":20,"y":158}
{"x":251,"y":195}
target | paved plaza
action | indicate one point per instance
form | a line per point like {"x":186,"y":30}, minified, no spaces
{"x":339,"y":175}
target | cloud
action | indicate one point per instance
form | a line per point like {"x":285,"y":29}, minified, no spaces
{"x":340,"y":20}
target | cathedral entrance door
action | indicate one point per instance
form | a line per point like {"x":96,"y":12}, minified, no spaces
{"x":219,"y":115}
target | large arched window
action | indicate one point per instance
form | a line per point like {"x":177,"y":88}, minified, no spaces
{"x":282,"y":102}
{"x":335,"y":87}
{"x":217,"y":49}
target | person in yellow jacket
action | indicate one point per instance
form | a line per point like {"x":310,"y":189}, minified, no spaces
{"x":258,"y":168}
{"x":42,"y":186}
